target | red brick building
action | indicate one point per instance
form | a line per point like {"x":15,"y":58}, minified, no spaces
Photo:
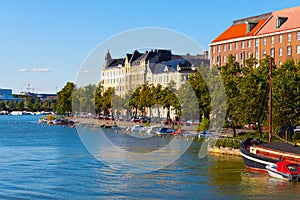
{"x":276,"y":34}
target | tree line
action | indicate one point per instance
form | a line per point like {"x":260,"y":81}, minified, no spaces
{"x":27,"y":103}
{"x":246,"y":89}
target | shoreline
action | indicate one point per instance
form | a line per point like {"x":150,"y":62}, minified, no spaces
{"x":211,"y":150}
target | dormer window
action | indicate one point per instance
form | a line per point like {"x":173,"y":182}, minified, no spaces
{"x":280,"y":21}
{"x":166,"y":69}
{"x":178,"y":68}
{"x":250,"y":25}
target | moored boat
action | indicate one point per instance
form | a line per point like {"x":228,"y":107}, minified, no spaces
{"x":165,"y":131}
{"x":257,"y":155}
{"x":284,"y":170}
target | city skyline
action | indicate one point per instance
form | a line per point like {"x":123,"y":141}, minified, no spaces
{"x":44,"y":43}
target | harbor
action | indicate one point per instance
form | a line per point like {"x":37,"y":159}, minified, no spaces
{"x":51,"y":162}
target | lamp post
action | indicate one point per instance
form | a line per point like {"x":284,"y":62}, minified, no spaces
{"x":270,"y":100}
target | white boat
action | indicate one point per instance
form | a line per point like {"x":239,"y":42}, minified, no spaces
{"x":284,"y":170}
{"x":136,"y":128}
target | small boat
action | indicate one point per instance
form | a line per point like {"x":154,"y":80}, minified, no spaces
{"x":284,"y":170}
{"x":137,"y":128}
{"x":165,"y":131}
{"x":257,"y":155}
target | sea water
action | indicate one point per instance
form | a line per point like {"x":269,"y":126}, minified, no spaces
{"x":38,"y":161}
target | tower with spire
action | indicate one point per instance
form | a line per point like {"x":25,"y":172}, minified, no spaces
{"x":107,"y":60}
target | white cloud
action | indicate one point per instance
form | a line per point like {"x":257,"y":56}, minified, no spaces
{"x":22,"y":70}
{"x":40,"y":70}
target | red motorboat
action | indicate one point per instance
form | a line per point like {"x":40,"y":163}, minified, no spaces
{"x":284,"y":170}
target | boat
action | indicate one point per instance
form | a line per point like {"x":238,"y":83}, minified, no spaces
{"x":137,"y":128}
{"x":284,"y":170}
{"x":165,"y":131}
{"x":257,"y":155}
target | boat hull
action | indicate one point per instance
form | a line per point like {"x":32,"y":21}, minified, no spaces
{"x":276,"y":174}
{"x":256,"y":162}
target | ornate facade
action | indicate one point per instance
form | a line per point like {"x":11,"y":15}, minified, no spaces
{"x":154,"y":67}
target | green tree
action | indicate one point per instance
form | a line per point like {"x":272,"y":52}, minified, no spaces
{"x":107,"y":100}
{"x":197,"y":82}
{"x":146,"y":98}
{"x":134,"y":100}
{"x":2,"y":105}
{"x":286,"y":95}
{"x":156,"y":95}
{"x":99,"y":98}
{"x":64,"y":102}
{"x":252,"y":101}
{"x":20,"y":105}
{"x":168,"y":100}
{"x":229,"y":73}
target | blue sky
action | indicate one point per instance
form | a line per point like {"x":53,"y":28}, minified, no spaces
{"x":43,"y":43}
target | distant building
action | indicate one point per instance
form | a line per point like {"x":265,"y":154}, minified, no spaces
{"x":153,"y":67}
{"x":6,"y":95}
{"x":276,"y":34}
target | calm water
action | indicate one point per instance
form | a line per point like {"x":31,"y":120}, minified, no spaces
{"x":41,"y":162}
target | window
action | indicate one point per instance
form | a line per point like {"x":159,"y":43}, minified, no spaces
{"x":236,"y":57}
{"x":280,"y":51}
{"x":256,"y":42}
{"x":249,"y":54}
{"x":256,"y":55}
{"x":289,"y":37}
{"x":280,"y":38}
{"x":219,"y":48}
{"x":224,"y":58}
{"x":272,"y":40}
{"x":242,"y":55}
{"x":224,"y":47}
{"x":272,"y":53}
{"x":230,"y":47}
{"x":265,"y":53}
{"x":249,"y":43}
{"x":298,"y":49}
{"x":213,"y":49}
{"x":280,"y":63}
{"x":298,"y":35}
{"x":289,"y":50}
{"x":265,"y":41}
{"x":243,"y":45}
{"x":213,"y":60}
{"x":236,"y":45}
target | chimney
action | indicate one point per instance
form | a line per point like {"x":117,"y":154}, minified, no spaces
{"x":205,"y":54}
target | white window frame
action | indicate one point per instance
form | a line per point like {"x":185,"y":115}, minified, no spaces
{"x":280,"y":51}
{"x":289,"y":37}
{"x":289,"y":50}
{"x":280,"y":38}
{"x":265,"y":41}
{"x":298,"y":49}
{"x":272,"y":40}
